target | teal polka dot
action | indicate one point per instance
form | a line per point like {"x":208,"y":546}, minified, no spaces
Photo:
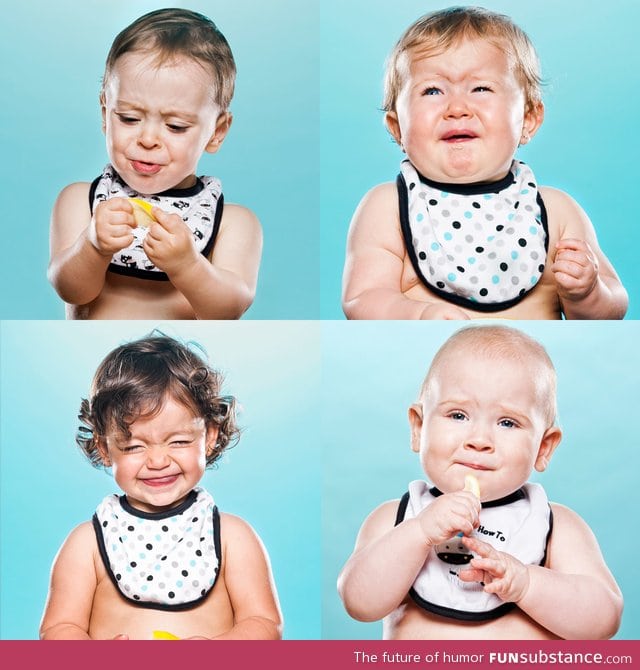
{"x":524,"y":191}
{"x":444,"y":194}
{"x":179,"y":583}
{"x":419,"y":217}
{"x":193,"y":563}
{"x":467,"y":215}
{"x":435,"y":246}
{"x":448,"y":236}
{"x":143,"y":587}
{"x":471,"y":260}
{"x":514,"y":255}
{"x":534,"y":280}
{"x":495,"y":279}
{"x":491,"y":238}
{"x":451,"y":276}
{"x":510,"y":217}
{"x":142,"y":556}
{"x":488,"y":196}
{"x":533,"y":230}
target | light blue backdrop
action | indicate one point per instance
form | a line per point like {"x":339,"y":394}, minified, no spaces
{"x":52,"y":56}
{"x":372,"y":372}
{"x":271,"y":478}
{"x":590,"y":56}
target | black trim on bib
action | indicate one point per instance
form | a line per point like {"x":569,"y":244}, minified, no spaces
{"x":462,"y":189}
{"x":157,"y":516}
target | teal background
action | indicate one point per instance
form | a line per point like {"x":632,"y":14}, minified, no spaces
{"x":372,"y":372}
{"x":52,"y":56}
{"x":271,"y":478}
{"x":587,"y":146}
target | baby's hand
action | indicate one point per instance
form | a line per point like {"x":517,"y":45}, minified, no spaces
{"x":111,"y":226}
{"x":501,"y":573}
{"x":448,"y":515}
{"x":435,"y":310}
{"x":575,"y":269}
{"x":169,"y":243}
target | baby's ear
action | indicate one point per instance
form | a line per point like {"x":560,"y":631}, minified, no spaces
{"x":391,"y":122}
{"x":415,"y":421}
{"x":222,"y":128}
{"x":533,"y":119}
{"x":103,"y":450}
{"x":211,"y":438}
{"x":550,"y":440}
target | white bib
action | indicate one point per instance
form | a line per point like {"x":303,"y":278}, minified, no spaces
{"x":519,"y":524}
{"x":479,"y":246}
{"x":200,"y":207}
{"x":166,"y":560}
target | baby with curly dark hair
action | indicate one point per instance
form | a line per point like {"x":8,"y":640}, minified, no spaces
{"x":160,"y":557}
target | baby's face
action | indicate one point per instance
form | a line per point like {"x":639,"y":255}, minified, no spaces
{"x":460,"y":115}
{"x":164,"y":458}
{"x":158,"y":121}
{"x":482,"y":416}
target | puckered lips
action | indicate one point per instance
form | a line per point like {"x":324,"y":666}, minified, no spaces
{"x":458,"y":135}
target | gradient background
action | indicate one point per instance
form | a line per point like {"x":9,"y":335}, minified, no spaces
{"x":53,"y":56}
{"x":372,"y":372}
{"x":587,"y":146}
{"x":271,"y":478}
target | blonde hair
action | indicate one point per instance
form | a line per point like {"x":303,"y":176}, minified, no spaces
{"x":436,"y":32}
{"x":170,"y":33}
{"x":503,"y":342}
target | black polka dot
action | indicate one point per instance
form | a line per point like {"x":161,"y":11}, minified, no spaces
{"x":504,"y":267}
{"x":522,"y":242}
{"x":433,"y":202}
{"x":185,"y":573}
{"x":104,"y":524}
{"x":483,"y":291}
{"x":422,"y":256}
{"x":133,"y":564}
{"x":516,"y":204}
{"x":440,"y":284}
{"x":118,"y":576}
{"x":412,"y":186}
{"x":500,"y":227}
{"x":203,"y":592}
{"x":476,"y":205}
{"x":522,"y":291}
{"x":149,"y":546}
{"x":198,"y":552}
{"x":136,"y":597}
{"x":195,"y":518}
{"x":460,"y":268}
{"x":541,"y":268}
{"x":150,"y":578}
{"x":130,"y":528}
{"x":165,"y":528}
{"x":531,"y":184}
{"x":479,"y":250}
{"x":456,"y":224}
{"x":171,"y":594}
{"x":164,"y":558}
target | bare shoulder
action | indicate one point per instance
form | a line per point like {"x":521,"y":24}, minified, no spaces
{"x":376,"y":222}
{"x":71,"y":214}
{"x":79,"y":546}
{"x":572,"y":539}
{"x":381,"y":520}
{"x":235,"y":530}
{"x":566,"y":217}
{"x":240,"y":220}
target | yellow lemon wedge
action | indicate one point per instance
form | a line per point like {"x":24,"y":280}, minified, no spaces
{"x":164,"y":635}
{"x":142,"y":212}
{"x":471,"y":484}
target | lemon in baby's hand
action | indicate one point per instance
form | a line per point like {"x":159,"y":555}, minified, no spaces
{"x":142,"y":212}
{"x":164,"y":635}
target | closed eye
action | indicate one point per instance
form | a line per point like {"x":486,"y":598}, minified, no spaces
{"x":125,"y":118}
{"x":131,"y":449}
{"x":177,"y":129}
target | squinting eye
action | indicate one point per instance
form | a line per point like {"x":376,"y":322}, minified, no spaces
{"x":132,"y":449}
{"x":482,"y":89}
{"x":178,"y":129}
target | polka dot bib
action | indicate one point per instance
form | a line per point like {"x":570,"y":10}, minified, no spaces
{"x":166,"y":560}
{"x":200,"y":207}
{"x":479,"y":246}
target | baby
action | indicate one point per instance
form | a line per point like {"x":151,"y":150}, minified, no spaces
{"x":477,"y":552}
{"x":160,"y":560}
{"x":467,"y":230}
{"x":147,"y":238}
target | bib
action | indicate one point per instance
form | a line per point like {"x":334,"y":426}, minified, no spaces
{"x":519,"y":524}
{"x":200,"y":207}
{"x":167,"y":560}
{"x":480,"y":246}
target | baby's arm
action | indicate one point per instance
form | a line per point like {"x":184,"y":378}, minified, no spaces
{"x":587,"y":284}
{"x":387,"y":558}
{"x":574,"y":596}
{"x":72,"y":587}
{"x":374,"y":265}
{"x":223,"y":287}
{"x":81,"y":246}
{"x":249,"y":582}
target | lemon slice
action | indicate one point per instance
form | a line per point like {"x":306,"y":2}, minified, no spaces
{"x":164,"y":635}
{"x":142,"y":212}
{"x":471,"y":484}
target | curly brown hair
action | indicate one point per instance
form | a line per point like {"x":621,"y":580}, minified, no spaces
{"x":135,"y":379}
